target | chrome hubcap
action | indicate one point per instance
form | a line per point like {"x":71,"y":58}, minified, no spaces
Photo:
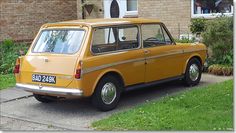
{"x":193,"y":72}
{"x":108,"y":93}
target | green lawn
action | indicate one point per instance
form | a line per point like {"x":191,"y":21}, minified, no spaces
{"x":7,"y":81}
{"x":205,"y":108}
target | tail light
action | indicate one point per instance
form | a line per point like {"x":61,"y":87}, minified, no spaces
{"x":17,"y":67}
{"x":78,"y":71}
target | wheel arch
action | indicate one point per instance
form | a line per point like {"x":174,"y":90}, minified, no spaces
{"x":112,"y":72}
{"x":197,"y":56}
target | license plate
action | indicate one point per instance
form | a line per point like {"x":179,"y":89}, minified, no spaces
{"x":44,"y":78}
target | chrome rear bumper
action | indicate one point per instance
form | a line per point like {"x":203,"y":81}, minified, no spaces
{"x":50,"y":90}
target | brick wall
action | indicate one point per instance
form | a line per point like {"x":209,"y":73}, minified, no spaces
{"x":21,"y":19}
{"x":176,"y":14}
{"x":98,"y":11}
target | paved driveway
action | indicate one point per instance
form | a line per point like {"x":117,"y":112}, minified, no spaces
{"x":28,"y":114}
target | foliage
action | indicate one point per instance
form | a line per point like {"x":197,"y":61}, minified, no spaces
{"x":7,"y":81}
{"x":219,"y":37}
{"x":205,"y":108}
{"x":220,"y":70}
{"x":185,"y":40}
{"x":198,"y":25}
{"x":9,"y":53}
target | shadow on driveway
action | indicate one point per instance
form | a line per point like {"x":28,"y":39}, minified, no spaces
{"x":128,"y":99}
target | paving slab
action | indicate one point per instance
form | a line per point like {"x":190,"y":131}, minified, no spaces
{"x":78,"y":114}
{"x":211,"y":79}
{"x":12,"y":93}
{"x":8,"y":123}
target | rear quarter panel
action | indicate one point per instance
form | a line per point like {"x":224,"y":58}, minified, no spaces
{"x":97,"y":66}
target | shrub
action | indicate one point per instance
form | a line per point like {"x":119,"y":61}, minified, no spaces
{"x":218,"y":69}
{"x":9,"y":53}
{"x":198,"y":25}
{"x":185,"y":40}
{"x":218,"y":36}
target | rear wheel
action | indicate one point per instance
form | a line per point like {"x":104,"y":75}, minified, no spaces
{"x":44,"y":99}
{"x":193,"y":72}
{"x":107,"y":93}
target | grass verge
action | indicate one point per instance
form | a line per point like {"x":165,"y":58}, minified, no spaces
{"x":206,"y":108}
{"x":7,"y":81}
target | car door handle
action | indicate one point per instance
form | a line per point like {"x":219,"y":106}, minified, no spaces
{"x":146,"y":51}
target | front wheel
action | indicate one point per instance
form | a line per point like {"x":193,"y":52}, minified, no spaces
{"x":193,"y":72}
{"x":107,"y":93}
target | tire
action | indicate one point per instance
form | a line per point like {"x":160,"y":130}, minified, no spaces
{"x":100,"y":99}
{"x":44,"y":99}
{"x":193,"y":72}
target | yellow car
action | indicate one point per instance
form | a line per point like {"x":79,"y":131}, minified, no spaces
{"x":101,"y":58}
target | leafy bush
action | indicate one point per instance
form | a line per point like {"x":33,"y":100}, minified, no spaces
{"x":198,"y":25}
{"x":220,"y":70}
{"x":185,"y":40}
{"x":218,"y":36}
{"x":9,"y":52}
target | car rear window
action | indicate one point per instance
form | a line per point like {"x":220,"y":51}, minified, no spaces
{"x":59,"y":41}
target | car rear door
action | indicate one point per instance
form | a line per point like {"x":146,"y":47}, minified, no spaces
{"x":116,"y":48}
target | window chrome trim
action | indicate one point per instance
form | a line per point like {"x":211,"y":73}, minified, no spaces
{"x":115,"y":51}
{"x":50,"y":90}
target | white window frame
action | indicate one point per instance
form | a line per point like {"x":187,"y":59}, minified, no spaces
{"x":212,"y":15}
{"x":130,"y":13}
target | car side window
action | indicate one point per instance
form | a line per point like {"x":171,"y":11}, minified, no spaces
{"x":115,"y":38}
{"x":128,"y":38}
{"x":104,"y":40}
{"x":154,"y":35}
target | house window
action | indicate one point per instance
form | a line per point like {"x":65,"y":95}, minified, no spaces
{"x":131,"y":8}
{"x":211,"y":8}
{"x":131,"y":5}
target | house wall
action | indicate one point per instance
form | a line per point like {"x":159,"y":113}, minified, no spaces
{"x":176,"y":14}
{"x":98,"y":11}
{"x":21,"y":19}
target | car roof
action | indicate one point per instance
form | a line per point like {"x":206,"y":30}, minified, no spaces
{"x":102,"y":22}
